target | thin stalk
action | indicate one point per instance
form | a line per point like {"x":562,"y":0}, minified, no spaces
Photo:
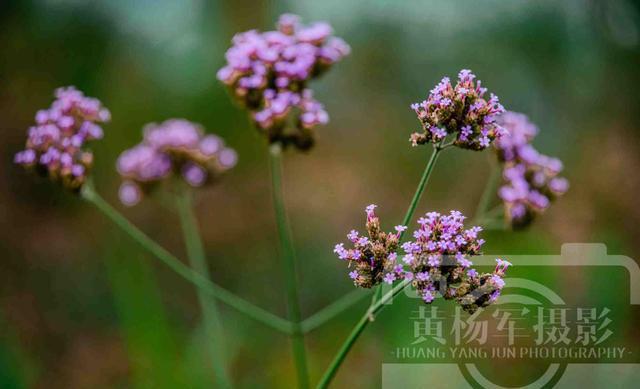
{"x":357,"y":330}
{"x":493,"y":216}
{"x":210,"y":314}
{"x":330,"y":311}
{"x":289,"y":263}
{"x":355,"y":333}
{"x":420,"y":189}
{"x":213,"y":290}
{"x":376,"y":293}
{"x":487,"y":193}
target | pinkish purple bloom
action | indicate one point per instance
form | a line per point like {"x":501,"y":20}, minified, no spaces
{"x":194,"y":174}
{"x":400,"y":229}
{"x":268,"y":73}
{"x":428,"y":296}
{"x":130,"y":194}
{"x":531,"y":179}
{"x":459,"y":111}
{"x":501,"y":266}
{"x":389,"y":278}
{"x":54,"y":145}
{"x":175,"y":145}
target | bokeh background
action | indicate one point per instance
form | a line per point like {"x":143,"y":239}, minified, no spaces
{"x":81,"y":305}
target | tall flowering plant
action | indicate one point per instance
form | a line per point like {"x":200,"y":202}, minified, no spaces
{"x":268,"y":73}
{"x":438,"y":261}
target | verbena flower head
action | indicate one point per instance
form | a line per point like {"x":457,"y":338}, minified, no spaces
{"x":460,"y":111}
{"x":531,"y":180}
{"x":176,"y":146}
{"x":372,"y":257}
{"x":268,"y":73}
{"x":55,"y":146}
{"x":439,"y":261}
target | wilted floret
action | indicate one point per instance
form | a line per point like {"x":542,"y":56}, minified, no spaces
{"x":268,"y":73}
{"x":174,"y":146}
{"x":531,"y":179}
{"x":478,"y":291}
{"x":460,"y":111}
{"x":373,"y":257}
{"x":55,"y":145}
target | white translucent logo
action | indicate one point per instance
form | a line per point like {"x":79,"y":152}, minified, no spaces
{"x":530,"y":322}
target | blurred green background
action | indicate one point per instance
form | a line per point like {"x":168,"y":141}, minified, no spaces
{"x":82,"y":306}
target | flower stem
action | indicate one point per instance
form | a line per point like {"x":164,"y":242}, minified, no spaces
{"x":213,"y":290}
{"x":211,"y":315}
{"x":376,"y":304}
{"x":488,"y":192}
{"x":327,"y":313}
{"x":357,"y":330}
{"x":289,"y":262}
{"x":421,"y":186}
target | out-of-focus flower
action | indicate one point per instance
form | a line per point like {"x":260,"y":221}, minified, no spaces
{"x":531,"y":179}
{"x":55,"y":145}
{"x":460,"y":111}
{"x":374,"y":256}
{"x":174,"y":146}
{"x":439,"y":260}
{"x":268,"y":73}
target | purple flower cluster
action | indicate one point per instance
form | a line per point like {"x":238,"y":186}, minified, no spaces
{"x":439,"y":261}
{"x":531,"y":179}
{"x":460,"y":111}
{"x":55,"y":144}
{"x":174,"y":146}
{"x":268,"y":73}
{"x":374,"y":256}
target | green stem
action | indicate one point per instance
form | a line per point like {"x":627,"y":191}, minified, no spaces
{"x":213,"y":290}
{"x":368,"y":316}
{"x":487,"y":194}
{"x":355,"y":333}
{"x":420,"y":189}
{"x":211,"y":315}
{"x":327,"y":313}
{"x":376,"y":293}
{"x":289,"y":262}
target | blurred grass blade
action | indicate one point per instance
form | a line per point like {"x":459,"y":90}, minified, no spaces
{"x":332,"y":310}
{"x":147,"y":332}
{"x":17,"y":370}
{"x":214,"y":340}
